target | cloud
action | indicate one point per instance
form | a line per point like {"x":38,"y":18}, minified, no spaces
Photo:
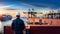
{"x":11,"y":9}
{"x":6,"y":6}
{"x":43,"y":3}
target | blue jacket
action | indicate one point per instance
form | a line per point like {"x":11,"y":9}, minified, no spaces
{"x":18,"y":25}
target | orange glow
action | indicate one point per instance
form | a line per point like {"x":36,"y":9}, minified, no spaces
{"x":1,"y":15}
{"x":33,"y":19}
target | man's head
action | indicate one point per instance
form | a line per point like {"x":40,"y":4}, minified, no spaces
{"x":18,"y":15}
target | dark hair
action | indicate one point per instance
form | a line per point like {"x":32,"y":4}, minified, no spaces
{"x":18,"y":16}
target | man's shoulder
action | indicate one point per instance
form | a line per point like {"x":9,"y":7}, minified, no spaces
{"x":21,"y":20}
{"x":18,"y":20}
{"x":14,"y":19}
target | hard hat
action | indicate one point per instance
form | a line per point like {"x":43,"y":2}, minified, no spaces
{"x":18,"y":14}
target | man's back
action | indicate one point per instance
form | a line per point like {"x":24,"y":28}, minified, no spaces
{"x":18,"y":24}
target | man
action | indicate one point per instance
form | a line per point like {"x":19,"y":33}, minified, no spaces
{"x":40,"y":21}
{"x":18,"y":25}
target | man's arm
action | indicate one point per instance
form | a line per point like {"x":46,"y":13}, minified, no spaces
{"x":12,"y":25}
{"x":23,"y":25}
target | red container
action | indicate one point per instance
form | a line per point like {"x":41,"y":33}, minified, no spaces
{"x":8,"y":30}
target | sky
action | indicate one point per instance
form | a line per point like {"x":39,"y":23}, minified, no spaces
{"x":26,"y":4}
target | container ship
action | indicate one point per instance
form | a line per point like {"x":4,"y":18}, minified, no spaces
{"x":4,"y":17}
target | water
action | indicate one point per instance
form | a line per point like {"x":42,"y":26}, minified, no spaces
{"x":2,"y":24}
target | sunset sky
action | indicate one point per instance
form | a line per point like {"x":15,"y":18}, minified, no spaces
{"x":25,"y":4}
{"x":38,"y":5}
